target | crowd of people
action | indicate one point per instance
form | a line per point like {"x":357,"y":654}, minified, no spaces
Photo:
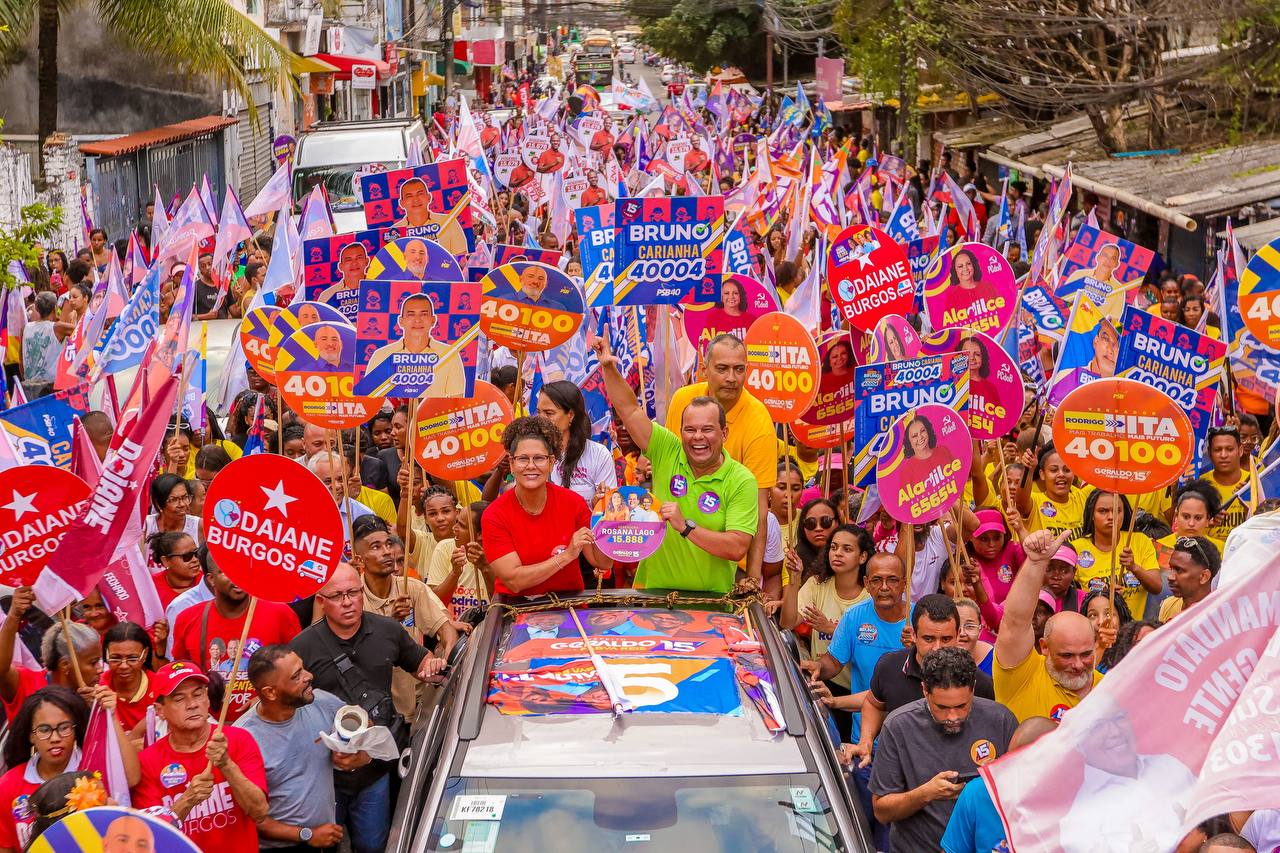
{"x":1052,"y":593}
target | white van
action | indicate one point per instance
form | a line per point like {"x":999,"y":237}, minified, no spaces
{"x":333,"y":153}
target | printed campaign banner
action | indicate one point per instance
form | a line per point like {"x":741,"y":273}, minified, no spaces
{"x":668,"y":633}
{"x":414,"y":259}
{"x":505,"y":254}
{"x":887,"y":391}
{"x":1179,"y":361}
{"x":923,"y":465}
{"x":669,"y":250}
{"x":424,"y":201}
{"x":1105,"y":267}
{"x":40,"y":431}
{"x":341,"y":259}
{"x":596,"y":236}
{"x":416,"y":338}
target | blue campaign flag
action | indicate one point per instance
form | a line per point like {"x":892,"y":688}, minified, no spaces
{"x":41,"y":431}
{"x":596,"y":243}
{"x":135,"y":329}
{"x":669,"y":250}
{"x":902,"y":225}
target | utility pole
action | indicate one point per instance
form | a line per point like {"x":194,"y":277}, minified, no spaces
{"x":768,"y":61}
{"x":446,"y":36}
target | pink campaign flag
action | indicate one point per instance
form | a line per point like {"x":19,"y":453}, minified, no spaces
{"x":101,"y":752}
{"x":1182,"y":730}
{"x":275,"y":194}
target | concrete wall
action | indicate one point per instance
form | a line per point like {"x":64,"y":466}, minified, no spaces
{"x":104,"y":87}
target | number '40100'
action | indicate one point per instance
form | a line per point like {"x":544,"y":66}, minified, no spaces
{"x":316,"y":385}
{"x":462,"y":442}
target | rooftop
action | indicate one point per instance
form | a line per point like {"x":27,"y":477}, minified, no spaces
{"x":156,"y":136}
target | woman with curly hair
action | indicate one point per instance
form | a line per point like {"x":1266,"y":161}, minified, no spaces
{"x":536,"y":533}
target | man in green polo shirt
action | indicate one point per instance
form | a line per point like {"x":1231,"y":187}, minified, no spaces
{"x":708,"y":500}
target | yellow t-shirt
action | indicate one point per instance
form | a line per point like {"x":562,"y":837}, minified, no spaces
{"x":1094,"y":568}
{"x":1027,"y":689}
{"x":420,"y":552}
{"x":1233,"y":514}
{"x":233,"y":450}
{"x":752,"y":439}
{"x":471,"y":589}
{"x":1157,"y":503}
{"x":823,"y":596}
{"x":1170,"y":608}
{"x":380,"y":503}
{"x":808,"y":470}
{"x":1048,"y":514}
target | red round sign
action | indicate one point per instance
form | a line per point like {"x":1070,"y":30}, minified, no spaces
{"x":273,"y":527}
{"x":869,"y":276}
{"x":37,"y":505}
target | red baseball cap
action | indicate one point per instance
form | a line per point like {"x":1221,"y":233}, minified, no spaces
{"x":168,"y":677}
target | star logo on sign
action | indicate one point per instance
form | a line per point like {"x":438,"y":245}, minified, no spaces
{"x":277,"y":499}
{"x":21,"y":504}
{"x":862,"y":255}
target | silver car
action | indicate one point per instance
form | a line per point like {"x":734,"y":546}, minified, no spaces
{"x":718,"y":746}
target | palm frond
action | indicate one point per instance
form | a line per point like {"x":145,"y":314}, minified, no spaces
{"x":17,"y":17}
{"x":206,"y":37}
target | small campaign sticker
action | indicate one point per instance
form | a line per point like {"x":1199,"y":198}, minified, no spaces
{"x":679,"y":486}
{"x":1005,"y":573}
{"x":478,"y":807}
{"x":708,"y":502}
{"x":20,"y":809}
{"x":982,"y":751}
{"x":1057,"y":713}
{"x":1086,"y":559}
{"x":1048,"y":510}
{"x":173,"y":775}
{"x":867,"y":633}
{"x":803,"y":800}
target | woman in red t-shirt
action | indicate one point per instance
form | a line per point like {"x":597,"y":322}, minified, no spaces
{"x":175,"y":552}
{"x":534,"y":533}
{"x":128,"y":652}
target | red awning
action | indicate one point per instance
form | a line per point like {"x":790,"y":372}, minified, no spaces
{"x":156,"y":136}
{"x":344,"y":64}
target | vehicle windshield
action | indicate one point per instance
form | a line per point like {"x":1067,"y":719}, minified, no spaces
{"x":776,"y":813}
{"x":339,"y":182}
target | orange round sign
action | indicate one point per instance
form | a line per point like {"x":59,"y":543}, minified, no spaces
{"x":782,"y":365}
{"x":314,"y":374}
{"x":1123,"y":436}
{"x":822,"y":436}
{"x":258,"y":339}
{"x":461,"y":438}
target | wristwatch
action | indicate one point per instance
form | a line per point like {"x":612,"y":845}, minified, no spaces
{"x":688,"y":528}
{"x":304,"y":835}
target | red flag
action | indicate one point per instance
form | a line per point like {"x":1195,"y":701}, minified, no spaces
{"x":101,"y":752}
{"x":90,"y":543}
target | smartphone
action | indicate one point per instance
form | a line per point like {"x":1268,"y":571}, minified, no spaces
{"x":966,"y":778}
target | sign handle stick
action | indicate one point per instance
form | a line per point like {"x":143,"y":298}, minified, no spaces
{"x":953,"y":553}
{"x":787,"y":529}
{"x":826,"y":474}
{"x":909,"y":532}
{"x":1006,"y":499}
{"x":1115,"y":545}
{"x":72,"y":654}
{"x":235,"y":666}
{"x":346,"y":482}
{"x":519,"y":382}
{"x":279,"y":425}
{"x":410,"y":459}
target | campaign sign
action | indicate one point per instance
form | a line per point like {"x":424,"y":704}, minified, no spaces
{"x":782,"y":365}
{"x":616,"y":632}
{"x":1102,"y":264}
{"x":345,"y":300}
{"x":869,"y":276}
{"x":669,"y":250}
{"x":505,"y":254}
{"x":1180,"y":362}
{"x":340,"y":259}
{"x":920,"y":255}
{"x":40,"y":502}
{"x":258,"y":339}
{"x":823,"y":436}
{"x":111,"y":828}
{"x":460,"y":438}
{"x":417,"y":337}
{"x":413,"y":259}
{"x":627,"y":526}
{"x":894,"y":339}
{"x":299,"y":314}
{"x":970,"y":286}
{"x":837,"y":393}
{"x":1121,"y":435}
{"x":314,"y":374}
{"x":995,"y":386}
{"x":1048,"y":312}
{"x":529,"y":307}
{"x":924,"y":464}
{"x":743,"y":300}
{"x":1260,"y":295}
{"x":273,"y":527}
{"x":425,"y":201}
{"x":596,"y":241}
{"x":40,"y":431}
{"x":886,"y":391}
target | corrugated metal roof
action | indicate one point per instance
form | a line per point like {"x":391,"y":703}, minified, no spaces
{"x":1255,"y":235}
{"x":156,"y":136}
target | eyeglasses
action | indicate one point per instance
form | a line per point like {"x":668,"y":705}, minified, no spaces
{"x":343,"y":595}
{"x":116,"y":660}
{"x":47,"y":732}
{"x":825,"y":523}
{"x":186,"y":556}
{"x":178,"y":500}
{"x":530,"y":461}
{"x":970,"y":627}
{"x":894,"y":581}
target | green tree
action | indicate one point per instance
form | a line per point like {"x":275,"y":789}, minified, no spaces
{"x":199,"y":37}
{"x":37,"y":222}
{"x":702,"y":34}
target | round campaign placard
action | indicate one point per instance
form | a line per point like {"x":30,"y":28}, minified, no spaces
{"x":1123,"y":436}
{"x":743,"y":300}
{"x":300,"y":314}
{"x":461,"y":438}
{"x":995,"y":384}
{"x":823,"y":436}
{"x":416,"y":259}
{"x":113,"y":830}
{"x":626,"y":524}
{"x":273,"y":527}
{"x":314,"y":374}
{"x":782,"y":365}
{"x":924,"y":463}
{"x":1260,"y":295}
{"x":972,"y":286}
{"x":529,"y":306}
{"x":39,"y":503}
{"x":837,"y":392}
{"x":869,"y":276}
{"x":894,"y":339}
{"x":257,"y":341}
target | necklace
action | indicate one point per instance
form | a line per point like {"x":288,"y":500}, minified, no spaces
{"x":526,"y":508}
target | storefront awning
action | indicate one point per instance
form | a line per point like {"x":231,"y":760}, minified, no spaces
{"x":311,"y":65}
{"x":344,"y":64}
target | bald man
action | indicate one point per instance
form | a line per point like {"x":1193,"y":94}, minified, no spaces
{"x":128,"y":834}
{"x":1048,"y":681}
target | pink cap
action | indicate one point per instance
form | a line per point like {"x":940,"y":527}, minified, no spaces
{"x":989,"y":521}
{"x":1047,"y":598}
{"x":1067,"y":554}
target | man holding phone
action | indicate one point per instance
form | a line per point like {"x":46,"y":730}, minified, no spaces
{"x":931,"y":747}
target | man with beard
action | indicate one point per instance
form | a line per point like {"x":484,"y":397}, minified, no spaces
{"x":300,"y":810}
{"x":1048,"y":681}
{"x":931,"y":747}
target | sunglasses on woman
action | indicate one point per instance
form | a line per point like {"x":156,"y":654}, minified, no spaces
{"x":826,"y":522}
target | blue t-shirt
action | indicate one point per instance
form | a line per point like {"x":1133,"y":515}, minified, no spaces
{"x":860,"y":639}
{"x":975,"y":825}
